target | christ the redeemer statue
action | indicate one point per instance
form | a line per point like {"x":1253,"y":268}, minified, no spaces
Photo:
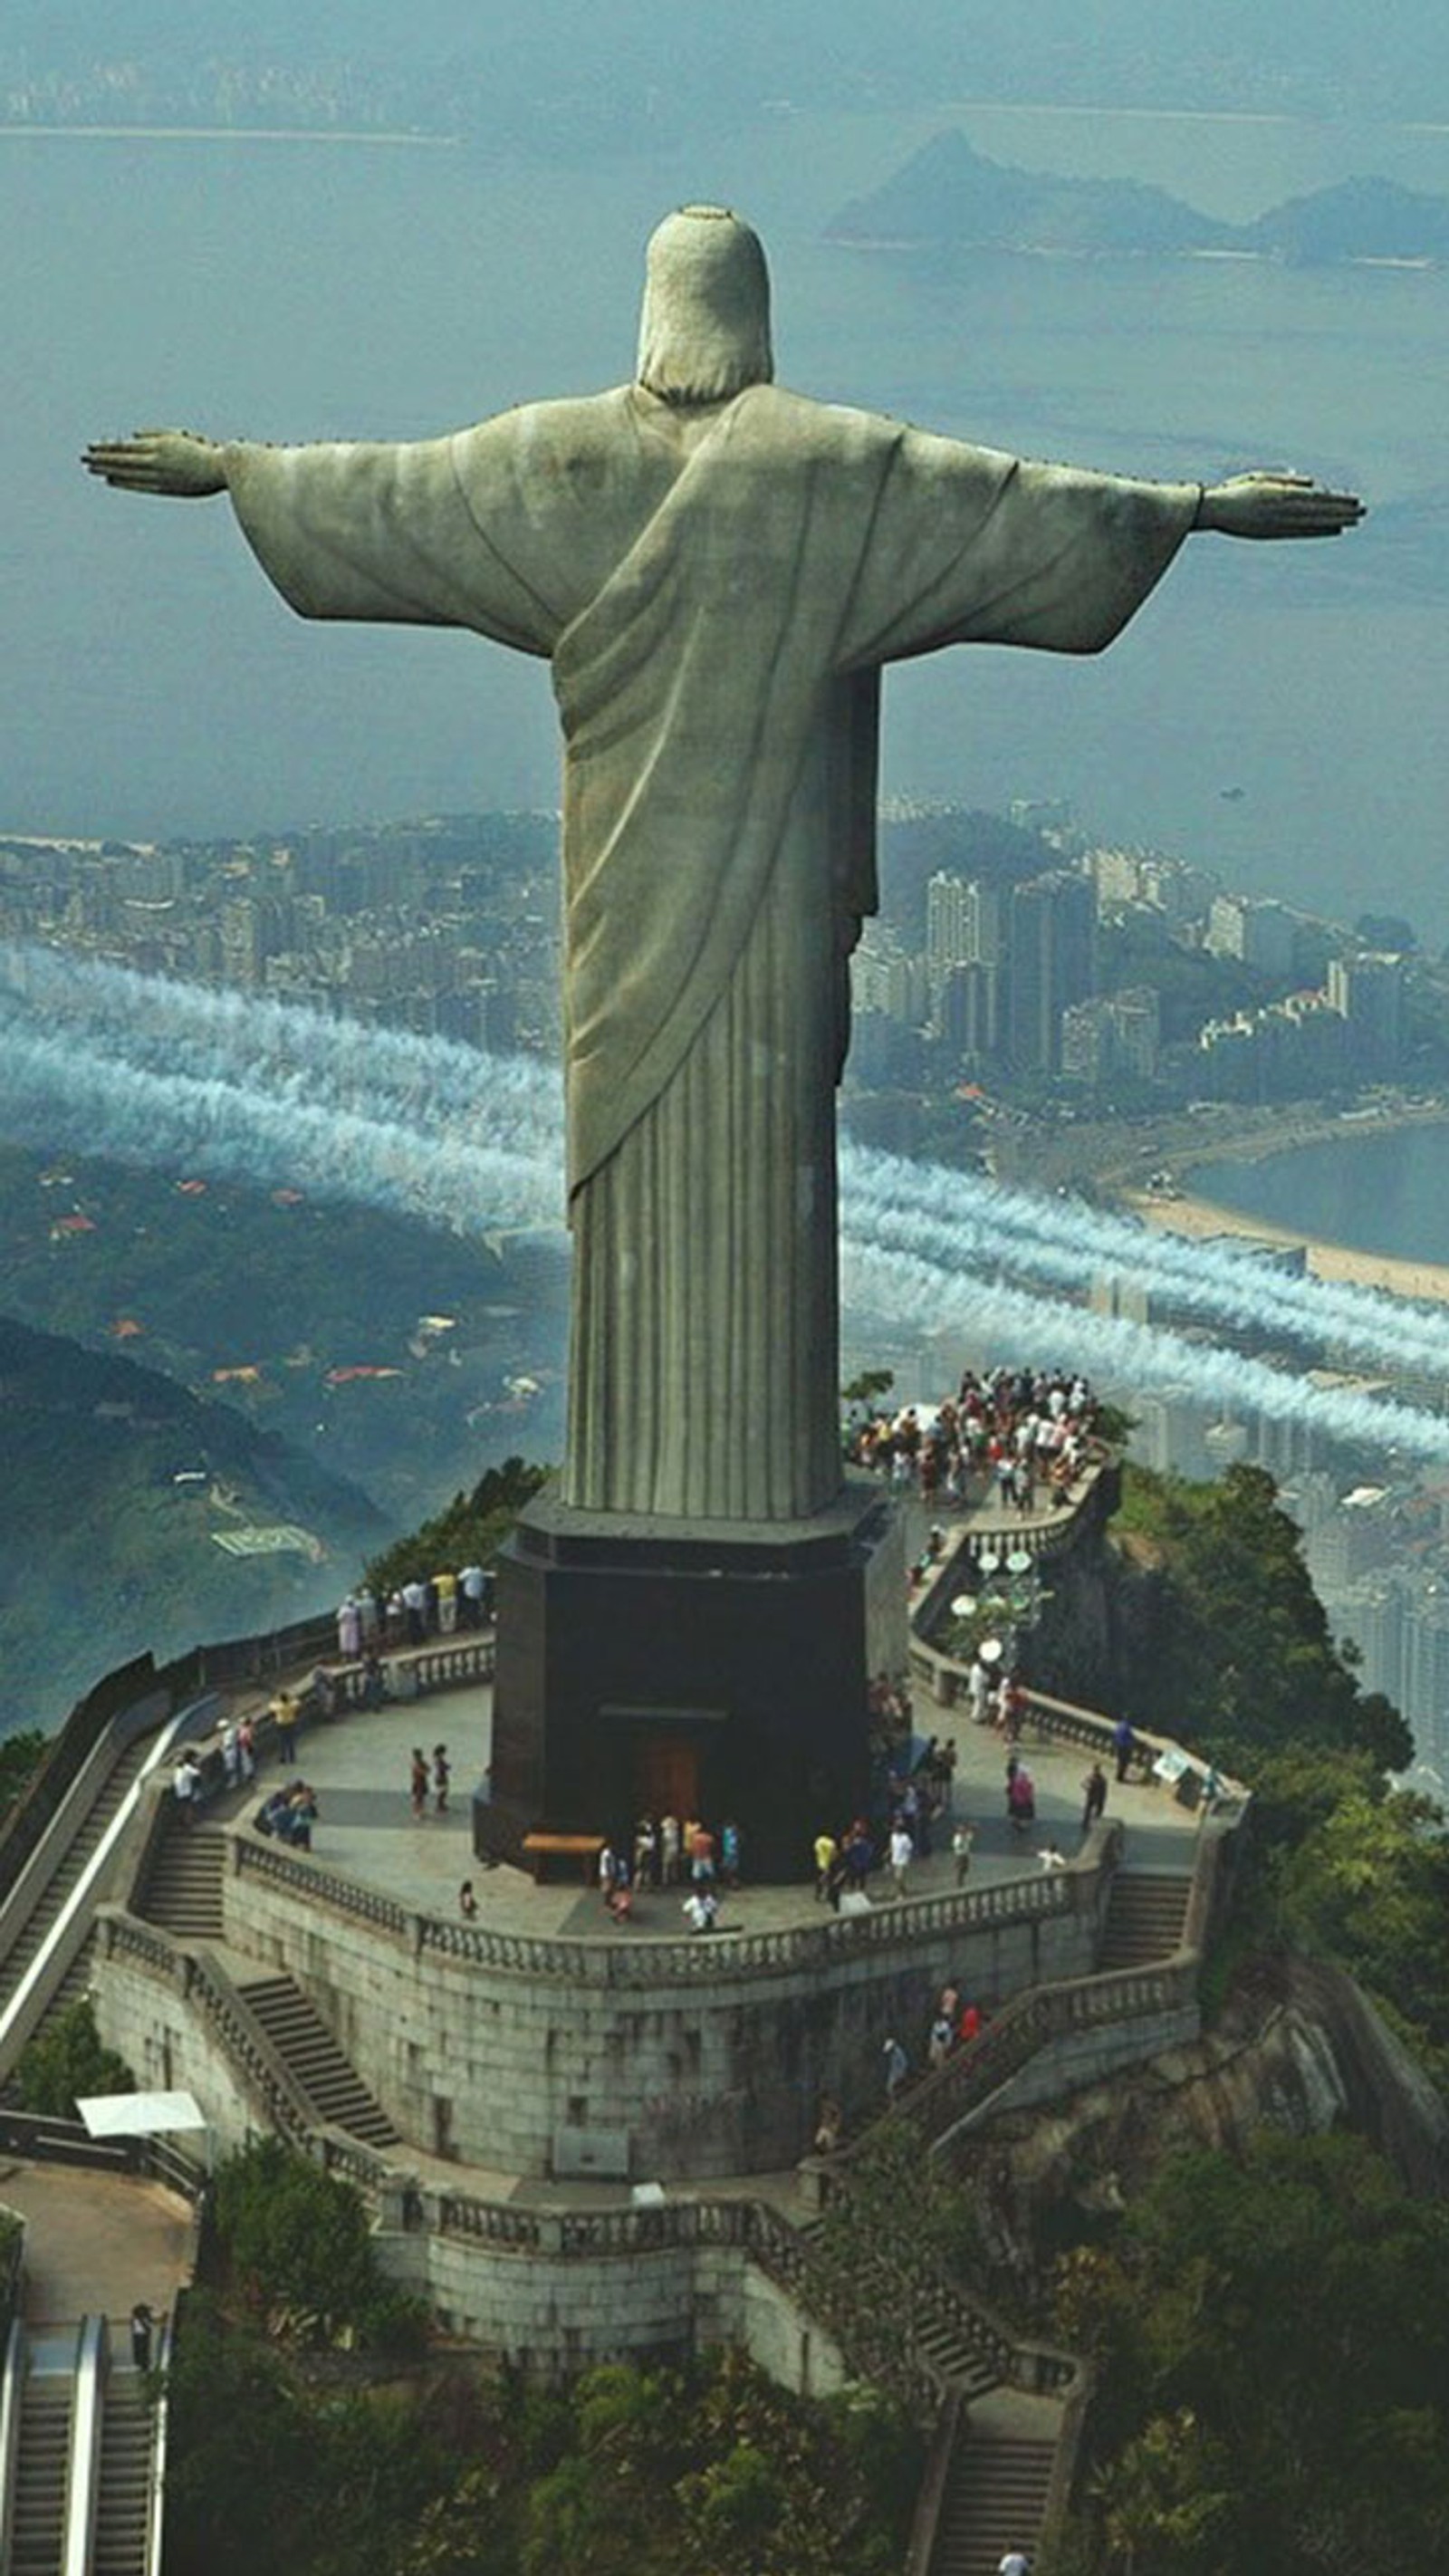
{"x":717,"y":572}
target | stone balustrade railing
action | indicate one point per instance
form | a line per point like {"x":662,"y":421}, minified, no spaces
{"x":640,"y":1958}
{"x":761,"y":2233}
{"x":267,"y":2080}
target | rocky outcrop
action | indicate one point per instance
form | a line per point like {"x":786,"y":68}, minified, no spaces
{"x":1301,"y":2049}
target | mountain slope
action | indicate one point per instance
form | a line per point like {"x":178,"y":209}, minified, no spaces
{"x":133,"y":1515}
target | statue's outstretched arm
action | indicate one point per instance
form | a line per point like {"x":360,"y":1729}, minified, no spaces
{"x":1276,"y":505}
{"x":175,"y":462}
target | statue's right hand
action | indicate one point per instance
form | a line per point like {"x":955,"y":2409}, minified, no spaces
{"x":175,"y":462}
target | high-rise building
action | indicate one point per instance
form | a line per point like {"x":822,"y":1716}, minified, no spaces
{"x":1367,"y":990}
{"x":1052,"y":963}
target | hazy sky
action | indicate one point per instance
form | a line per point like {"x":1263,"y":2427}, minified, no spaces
{"x":1300,"y":53}
{"x":151,"y":683}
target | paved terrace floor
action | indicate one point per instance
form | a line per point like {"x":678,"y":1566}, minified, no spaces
{"x":95,"y":2243}
{"x":359,"y":1766}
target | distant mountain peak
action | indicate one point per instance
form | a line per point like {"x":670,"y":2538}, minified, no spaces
{"x":948,"y":197}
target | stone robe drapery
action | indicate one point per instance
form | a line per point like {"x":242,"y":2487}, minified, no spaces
{"x":717,"y":591}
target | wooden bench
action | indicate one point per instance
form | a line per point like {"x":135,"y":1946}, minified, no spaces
{"x":541,"y":1848}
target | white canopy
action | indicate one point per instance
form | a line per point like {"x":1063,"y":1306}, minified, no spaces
{"x":138,"y":2115}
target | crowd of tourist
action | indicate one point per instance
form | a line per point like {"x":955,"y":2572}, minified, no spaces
{"x":671,"y":1852}
{"x":1015,"y":1437}
{"x":438,"y":1605}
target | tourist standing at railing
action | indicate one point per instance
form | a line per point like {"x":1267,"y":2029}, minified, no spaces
{"x":284,"y":1719}
{"x":349,"y":1629}
{"x":962,"y":1838}
{"x":902,"y":1853}
{"x":1094,"y":1797}
{"x":978,"y":1689}
{"x":826,"y":1852}
{"x":1124,"y":1745}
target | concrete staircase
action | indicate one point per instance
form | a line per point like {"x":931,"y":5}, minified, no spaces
{"x":184,"y":1882}
{"x":946,"y":2347}
{"x":124,"y":2496}
{"x":37,"y":2530}
{"x":995,"y":2500}
{"x":1145,"y":1917}
{"x":331,"y":2083}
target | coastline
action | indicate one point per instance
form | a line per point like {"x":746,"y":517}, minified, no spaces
{"x":1338,"y":1261}
{"x":1194,"y":1216}
{"x":1113,"y":1162}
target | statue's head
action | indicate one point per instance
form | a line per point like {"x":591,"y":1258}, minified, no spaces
{"x":705,"y":329}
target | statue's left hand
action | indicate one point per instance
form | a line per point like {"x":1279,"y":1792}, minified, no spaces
{"x":175,"y":462}
{"x":1276,"y":505}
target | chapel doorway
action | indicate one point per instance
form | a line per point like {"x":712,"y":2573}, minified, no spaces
{"x":666,"y":1775}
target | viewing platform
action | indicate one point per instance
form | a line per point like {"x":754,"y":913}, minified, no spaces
{"x":358,"y":1765}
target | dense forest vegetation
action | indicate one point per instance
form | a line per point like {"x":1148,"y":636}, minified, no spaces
{"x":397,"y":2463}
{"x":1270,"y":2333}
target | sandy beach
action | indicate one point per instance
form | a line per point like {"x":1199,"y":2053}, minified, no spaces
{"x":1197,"y":1217}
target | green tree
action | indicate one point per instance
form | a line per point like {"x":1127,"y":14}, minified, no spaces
{"x":296,"y":2242}
{"x":473,"y":1527}
{"x":67,"y":2060}
{"x":1240,"y":1661}
{"x":264,"y":2471}
{"x":1369,"y":1887}
{"x":1273,"y":2342}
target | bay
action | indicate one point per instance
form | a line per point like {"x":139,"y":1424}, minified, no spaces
{"x":1386,"y":1193}
{"x":150,"y":684}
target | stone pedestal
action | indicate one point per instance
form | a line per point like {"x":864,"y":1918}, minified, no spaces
{"x":716,"y":1669}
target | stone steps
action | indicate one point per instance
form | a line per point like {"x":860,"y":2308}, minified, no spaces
{"x":184,"y":1885}
{"x":995,"y":2500}
{"x":949,"y":2350}
{"x":330,"y":2081}
{"x":938,"y":2337}
{"x":1145,"y":1917}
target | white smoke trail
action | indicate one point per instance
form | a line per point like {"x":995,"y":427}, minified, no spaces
{"x":955,"y":1217}
{"x":82,"y":1101}
{"x":1138,"y":1355}
{"x":283,"y":1049}
{"x":100,"y":1060}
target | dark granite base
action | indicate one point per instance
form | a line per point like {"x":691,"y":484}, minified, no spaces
{"x":713,"y":1669}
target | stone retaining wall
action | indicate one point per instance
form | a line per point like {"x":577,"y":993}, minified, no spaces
{"x":554,"y":2315}
{"x":708,"y":2058}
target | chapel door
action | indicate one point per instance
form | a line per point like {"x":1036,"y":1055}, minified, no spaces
{"x":666,"y":1775}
